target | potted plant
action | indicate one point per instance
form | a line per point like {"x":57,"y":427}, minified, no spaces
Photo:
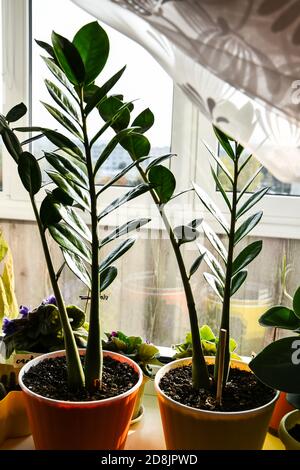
{"x":278,"y":365}
{"x":100,"y":388}
{"x":143,"y":353}
{"x":195,"y":428}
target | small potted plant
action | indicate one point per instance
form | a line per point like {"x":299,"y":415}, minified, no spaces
{"x":278,"y":365}
{"x":143,"y":353}
{"x":197,"y":429}
{"x":86,"y":386}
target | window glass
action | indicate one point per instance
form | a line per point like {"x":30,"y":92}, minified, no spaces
{"x":144,"y":81}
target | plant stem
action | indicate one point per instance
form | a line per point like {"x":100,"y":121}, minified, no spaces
{"x":74,"y":367}
{"x":225,"y":320}
{"x":93,"y":357}
{"x":200,"y":374}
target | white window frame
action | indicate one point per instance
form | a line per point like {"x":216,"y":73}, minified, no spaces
{"x":281,"y":213}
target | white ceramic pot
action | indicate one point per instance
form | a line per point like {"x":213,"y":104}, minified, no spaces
{"x":287,"y":423}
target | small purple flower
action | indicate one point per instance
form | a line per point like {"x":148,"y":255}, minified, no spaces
{"x":114,"y":333}
{"x":49,"y":300}
{"x":8,"y":326}
{"x":23,"y":310}
{"x":147,"y":341}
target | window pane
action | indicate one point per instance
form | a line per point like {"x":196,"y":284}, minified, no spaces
{"x":144,"y":80}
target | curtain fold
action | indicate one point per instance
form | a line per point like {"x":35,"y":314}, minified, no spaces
{"x":238,"y":61}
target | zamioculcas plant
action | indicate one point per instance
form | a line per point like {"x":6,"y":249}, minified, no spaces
{"x":74,"y":171}
{"x":228,"y":275}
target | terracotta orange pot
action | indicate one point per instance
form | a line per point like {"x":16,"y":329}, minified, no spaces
{"x":190,"y":428}
{"x":282,"y":407}
{"x":139,"y":400}
{"x":64,"y":425}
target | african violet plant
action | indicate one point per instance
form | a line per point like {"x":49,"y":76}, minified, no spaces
{"x":39,"y":330}
{"x":75,"y":66}
{"x":225,"y":281}
{"x":278,"y":364}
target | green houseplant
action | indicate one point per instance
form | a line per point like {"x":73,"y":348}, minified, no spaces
{"x":142,"y":352}
{"x":224,"y":282}
{"x":75,"y":66}
{"x":278,"y":365}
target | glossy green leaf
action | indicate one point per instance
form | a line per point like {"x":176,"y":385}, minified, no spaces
{"x":102,"y":92}
{"x":185,"y":234}
{"x":16,"y":113}
{"x":107,"y":276}
{"x":63,"y":120}
{"x":92,"y":43}
{"x":237,"y":280}
{"x":144,"y":120}
{"x":70,"y":216}
{"x":69,"y":240}
{"x":280,"y":317}
{"x":47,"y":47}
{"x":137,"y":145}
{"x":278,"y":365}
{"x":219,"y":162}
{"x":76,"y":193}
{"x":110,"y":108}
{"x":212,"y":263}
{"x":163,"y":182}
{"x":214,"y":284}
{"x":69,"y":167}
{"x":131,"y":194}
{"x":69,"y":59}
{"x":220,"y":188}
{"x":62,"y":197}
{"x":206,"y":333}
{"x":116,"y":253}
{"x":30,"y":173}
{"x":251,"y":201}
{"x":296,"y":302}
{"x":247,"y":226}
{"x":11,"y":143}
{"x":158,"y":160}
{"x":77,"y":266}
{"x":245,"y":163}
{"x":61,"y":99}
{"x":48,"y":211}
{"x":246,"y":256}
{"x":294,"y":399}
{"x":224,"y":141}
{"x":124,"y":230}
{"x":215,"y":241}
{"x":110,"y":123}
{"x":196,"y":264}
{"x":211,"y":207}
{"x":110,"y":147}
{"x":59,"y":75}
{"x":31,"y":139}
{"x":63,"y":143}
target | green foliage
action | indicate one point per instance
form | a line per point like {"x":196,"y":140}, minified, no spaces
{"x":143,"y":353}
{"x":40,"y":330}
{"x":75,"y":66}
{"x":209,"y":344}
{"x":278,"y":365}
{"x":8,"y":301}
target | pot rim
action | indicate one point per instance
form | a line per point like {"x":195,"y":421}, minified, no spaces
{"x":60,"y":353}
{"x":162,"y":372}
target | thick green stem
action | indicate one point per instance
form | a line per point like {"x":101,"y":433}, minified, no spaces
{"x":200,"y":374}
{"x":74,"y":367}
{"x":225,"y":320}
{"x":93,"y":359}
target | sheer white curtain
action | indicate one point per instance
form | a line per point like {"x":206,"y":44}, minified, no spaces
{"x":238,"y":61}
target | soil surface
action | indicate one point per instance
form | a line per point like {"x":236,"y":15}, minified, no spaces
{"x":49,"y":379}
{"x":295,"y":432}
{"x":242,"y":392}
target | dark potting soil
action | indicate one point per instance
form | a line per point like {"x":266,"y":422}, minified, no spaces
{"x":295,"y":432}
{"x":242,"y":392}
{"x":49,"y":379}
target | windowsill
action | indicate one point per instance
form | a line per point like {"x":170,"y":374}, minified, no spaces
{"x":144,"y":435}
